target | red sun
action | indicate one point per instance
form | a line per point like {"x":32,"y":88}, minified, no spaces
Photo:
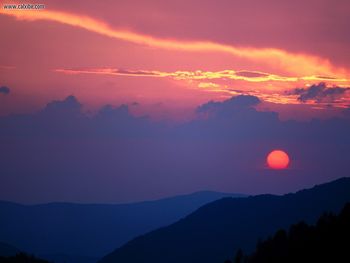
{"x":278,"y":159}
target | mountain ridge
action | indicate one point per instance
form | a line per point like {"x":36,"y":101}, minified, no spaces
{"x":232,"y":223}
{"x":91,"y":230}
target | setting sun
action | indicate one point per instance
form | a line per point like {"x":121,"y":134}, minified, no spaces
{"x":278,"y":159}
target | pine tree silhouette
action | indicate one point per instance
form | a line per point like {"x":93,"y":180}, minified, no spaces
{"x":327,"y":241}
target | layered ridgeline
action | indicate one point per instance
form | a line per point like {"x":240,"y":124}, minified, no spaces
{"x":214,"y":232}
{"x":65,"y":232}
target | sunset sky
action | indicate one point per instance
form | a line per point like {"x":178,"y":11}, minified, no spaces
{"x":163,"y":60}
{"x":171,"y":56}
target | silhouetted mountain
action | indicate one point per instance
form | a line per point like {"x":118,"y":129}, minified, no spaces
{"x":63,"y":258}
{"x":214,"y":232}
{"x":71,"y":231}
{"x":7,"y":250}
{"x":22,"y":258}
{"x":327,"y":241}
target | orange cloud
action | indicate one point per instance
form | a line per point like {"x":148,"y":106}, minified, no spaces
{"x":250,"y":76}
{"x":298,"y":64}
{"x":213,"y":82}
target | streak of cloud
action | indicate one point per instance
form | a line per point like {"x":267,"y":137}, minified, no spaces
{"x":245,"y":75}
{"x":6,"y":67}
{"x":290,"y":62}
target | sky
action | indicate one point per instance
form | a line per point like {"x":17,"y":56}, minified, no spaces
{"x":120,"y":101}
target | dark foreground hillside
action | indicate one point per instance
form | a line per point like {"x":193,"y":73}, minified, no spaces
{"x":22,"y":258}
{"x":327,"y":241}
{"x":215,"y":231}
{"x":7,"y":250}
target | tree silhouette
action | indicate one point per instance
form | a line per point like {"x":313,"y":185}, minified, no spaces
{"x":22,"y":258}
{"x":239,"y":256}
{"x":327,"y":241}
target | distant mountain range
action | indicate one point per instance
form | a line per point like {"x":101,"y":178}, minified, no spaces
{"x":66,"y":232}
{"x":214,"y":232}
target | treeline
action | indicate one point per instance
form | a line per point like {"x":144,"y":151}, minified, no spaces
{"x":327,"y":241}
{"x":22,"y":258}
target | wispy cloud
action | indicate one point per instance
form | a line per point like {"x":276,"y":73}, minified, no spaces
{"x":6,"y":67}
{"x":290,"y":62}
{"x":214,"y":81}
{"x":245,"y":75}
{"x":114,"y":72}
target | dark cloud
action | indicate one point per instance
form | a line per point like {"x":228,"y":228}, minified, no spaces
{"x":319,"y":93}
{"x":4,"y":90}
{"x":230,"y":106}
{"x":235,"y":119}
{"x":135,"y":72}
{"x":326,"y":77}
{"x":251,"y":74}
{"x":65,"y":118}
{"x":68,"y":106}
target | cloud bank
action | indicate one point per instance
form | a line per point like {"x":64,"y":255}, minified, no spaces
{"x":113,"y":156}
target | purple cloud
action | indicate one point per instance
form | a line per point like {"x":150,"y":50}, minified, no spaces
{"x":319,"y":93}
{"x":4,"y":90}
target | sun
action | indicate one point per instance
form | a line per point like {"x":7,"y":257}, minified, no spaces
{"x":278,"y":159}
